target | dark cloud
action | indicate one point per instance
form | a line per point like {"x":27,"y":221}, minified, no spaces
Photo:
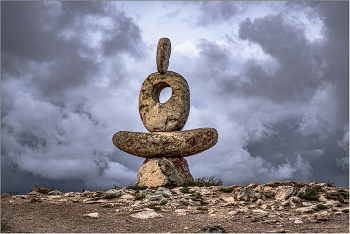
{"x":286,"y":145}
{"x":62,"y":50}
{"x":215,"y":12}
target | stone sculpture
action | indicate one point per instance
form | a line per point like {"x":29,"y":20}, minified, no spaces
{"x":165,"y":145}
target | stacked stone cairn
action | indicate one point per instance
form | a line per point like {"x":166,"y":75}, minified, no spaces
{"x":166,"y":145}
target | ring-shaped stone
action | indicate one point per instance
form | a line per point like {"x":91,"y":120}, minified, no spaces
{"x":170,"y":115}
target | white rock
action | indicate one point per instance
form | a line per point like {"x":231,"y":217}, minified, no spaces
{"x":332,"y":203}
{"x":306,"y":204}
{"x":295,"y":199}
{"x":228,"y":199}
{"x":92,"y":215}
{"x":127,"y":196}
{"x":245,"y":193}
{"x":298,"y":221}
{"x":284,"y":192}
{"x":146,"y":214}
{"x":304,"y":210}
{"x":70,"y":194}
{"x":322,"y":199}
{"x":114,"y":192}
{"x":155,"y":196}
{"x":259,"y":211}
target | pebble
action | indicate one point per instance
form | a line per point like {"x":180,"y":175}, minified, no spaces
{"x":92,"y":215}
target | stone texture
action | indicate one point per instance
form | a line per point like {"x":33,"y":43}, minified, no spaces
{"x":92,"y":215}
{"x":245,"y":194}
{"x":171,"y":115}
{"x":170,"y":144}
{"x":146,"y":214}
{"x":284,"y":192}
{"x":163,"y":55}
{"x":212,"y":229}
{"x":163,"y":171}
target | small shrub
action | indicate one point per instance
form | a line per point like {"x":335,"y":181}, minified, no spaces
{"x":246,"y":203}
{"x":276,"y":184}
{"x":140,"y":197}
{"x":203,"y":202}
{"x":166,"y":195}
{"x":185,"y":190}
{"x":345,"y":211}
{"x":204,"y":181}
{"x":228,"y":190}
{"x":321,"y":206}
{"x":14,"y":193}
{"x":202,"y":208}
{"x":308,"y":196}
{"x":154,"y":207}
{"x":110,"y":196}
{"x":316,"y":209}
{"x":197,"y":196}
{"x":163,"y":202}
{"x":43,"y":190}
{"x":267,"y":196}
{"x":133,"y":185}
{"x":116,"y":186}
{"x":329,"y":184}
{"x":98,"y":194}
{"x":5,"y":223}
{"x":334,"y":210}
{"x":35,"y":200}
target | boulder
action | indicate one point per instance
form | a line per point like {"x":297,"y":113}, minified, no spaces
{"x":163,"y":171}
{"x":113,"y":192}
{"x":284,"y":193}
{"x":245,"y":193}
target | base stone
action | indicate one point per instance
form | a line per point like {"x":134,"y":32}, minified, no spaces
{"x":163,"y":171}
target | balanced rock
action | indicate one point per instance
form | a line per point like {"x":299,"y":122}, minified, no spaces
{"x":170,"y":144}
{"x":163,"y":171}
{"x":163,"y":55}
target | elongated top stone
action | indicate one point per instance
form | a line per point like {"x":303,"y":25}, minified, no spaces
{"x":163,"y":55}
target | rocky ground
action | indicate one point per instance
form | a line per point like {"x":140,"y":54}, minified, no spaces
{"x":272,"y":207}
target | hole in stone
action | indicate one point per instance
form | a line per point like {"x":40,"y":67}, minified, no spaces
{"x":165,"y":94}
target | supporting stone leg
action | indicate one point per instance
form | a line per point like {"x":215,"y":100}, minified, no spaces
{"x":163,"y":171}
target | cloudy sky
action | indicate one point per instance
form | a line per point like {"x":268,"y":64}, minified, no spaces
{"x":271,"y":77}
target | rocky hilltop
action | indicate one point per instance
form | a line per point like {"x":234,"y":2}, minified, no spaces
{"x":271,"y":207}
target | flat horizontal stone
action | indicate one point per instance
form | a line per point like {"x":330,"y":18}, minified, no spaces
{"x":170,"y":144}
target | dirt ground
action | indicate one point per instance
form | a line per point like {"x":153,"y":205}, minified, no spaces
{"x":41,"y":217}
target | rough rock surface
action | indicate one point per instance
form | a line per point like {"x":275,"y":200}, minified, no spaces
{"x":171,"y":115}
{"x":163,"y":55}
{"x":181,"y":211}
{"x":170,"y":144}
{"x":163,"y":171}
{"x":245,"y":193}
{"x":285,"y":192}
